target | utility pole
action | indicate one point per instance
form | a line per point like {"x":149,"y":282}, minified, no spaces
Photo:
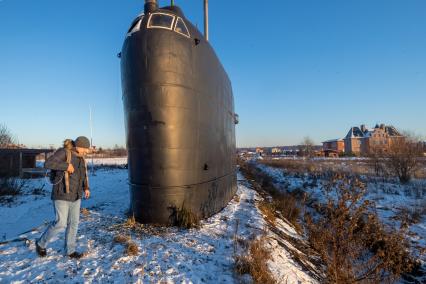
{"x":206,"y":19}
{"x":91,"y":138}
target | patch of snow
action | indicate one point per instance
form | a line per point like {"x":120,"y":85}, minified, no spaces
{"x":166,"y":254}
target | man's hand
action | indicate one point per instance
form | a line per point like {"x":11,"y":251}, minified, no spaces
{"x":86,"y":193}
{"x":70,"y":168}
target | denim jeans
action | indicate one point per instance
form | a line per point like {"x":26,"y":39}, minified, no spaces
{"x":67,"y":216}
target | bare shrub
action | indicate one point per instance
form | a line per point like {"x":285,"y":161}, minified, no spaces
{"x":376,"y":162}
{"x":306,"y":149}
{"x":11,"y":186}
{"x":7,"y":140}
{"x":38,"y":190}
{"x":255,"y":262}
{"x":410,"y":215}
{"x":402,"y":159}
{"x":352,"y":242}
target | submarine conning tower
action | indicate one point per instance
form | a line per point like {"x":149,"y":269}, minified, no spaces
{"x":179,"y":119}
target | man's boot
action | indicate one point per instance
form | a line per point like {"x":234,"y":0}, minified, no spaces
{"x":76,"y":255}
{"x":40,"y":251}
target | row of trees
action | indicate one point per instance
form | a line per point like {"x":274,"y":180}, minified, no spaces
{"x":116,"y":151}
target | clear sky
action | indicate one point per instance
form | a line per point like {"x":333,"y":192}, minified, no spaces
{"x":298,"y":68}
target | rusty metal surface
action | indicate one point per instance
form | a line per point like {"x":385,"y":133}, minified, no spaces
{"x":179,"y":117}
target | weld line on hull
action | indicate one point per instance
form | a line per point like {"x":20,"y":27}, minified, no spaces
{"x":186,"y":185}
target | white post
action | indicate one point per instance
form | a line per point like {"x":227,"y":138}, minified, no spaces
{"x":206,"y":19}
{"x":91,"y":138}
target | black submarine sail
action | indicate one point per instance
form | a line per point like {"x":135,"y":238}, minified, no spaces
{"x":179,"y":118}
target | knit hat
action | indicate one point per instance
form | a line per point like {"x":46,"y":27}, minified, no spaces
{"x":82,"y":142}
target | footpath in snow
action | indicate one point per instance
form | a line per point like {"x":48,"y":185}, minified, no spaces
{"x":203,"y":255}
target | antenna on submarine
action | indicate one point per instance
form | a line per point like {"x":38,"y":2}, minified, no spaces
{"x":206,"y":19}
{"x":150,"y":6}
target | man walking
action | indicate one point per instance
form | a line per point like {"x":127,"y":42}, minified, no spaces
{"x":70,"y":183}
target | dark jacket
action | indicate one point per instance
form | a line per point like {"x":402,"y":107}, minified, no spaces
{"x":57,"y":163}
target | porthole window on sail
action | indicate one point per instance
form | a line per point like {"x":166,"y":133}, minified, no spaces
{"x":161,"y":20}
{"x":181,"y":27}
{"x":135,"y":27}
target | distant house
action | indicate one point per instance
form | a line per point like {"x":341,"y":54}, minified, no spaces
{"x":361,"y":140}
{"x":259,"y":151}
{"x":334,"y":147}
{"x":276,"y":150}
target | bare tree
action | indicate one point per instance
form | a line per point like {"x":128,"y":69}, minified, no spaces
{"x":6,"y":138}
{"x":403,"y":157}
{"x":307,"y":147}
{"x":376,"y":156}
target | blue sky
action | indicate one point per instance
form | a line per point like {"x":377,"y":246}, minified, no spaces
{"x":298,"y":68}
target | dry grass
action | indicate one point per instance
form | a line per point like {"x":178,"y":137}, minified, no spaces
{"x":367,"y":167}
{"x":352,"y":242}
{"x":268,"y":210}
{"x":242,"y":264}
{"x":131,"y":248}
{"x":409,"y":216}
{"x":85,"y":212}
{"x":236,"y":198}
{"x":287,"y":203}
{"x":121,"y":239}
{"x":320,"y":167}
{"x":420,"y":173}
{"x":255,"y":262}
{"x":353,"y":245}
{"x":130,"y":222}
{"x":184,"y":218}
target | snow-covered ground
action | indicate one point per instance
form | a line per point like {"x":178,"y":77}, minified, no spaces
{"x":117,"y":161}
{"x":390,"y":199}
{"x":170,"y":255}
{"x":107,"y":161}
